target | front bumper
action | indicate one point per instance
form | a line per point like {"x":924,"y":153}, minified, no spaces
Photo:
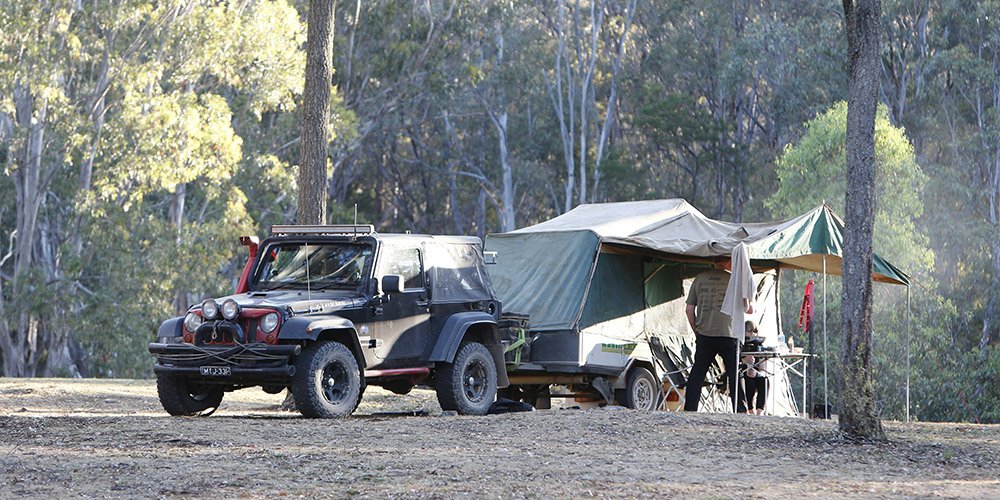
{"x":247,"y":363}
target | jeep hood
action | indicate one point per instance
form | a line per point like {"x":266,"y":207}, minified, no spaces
{"x":298,"y":301}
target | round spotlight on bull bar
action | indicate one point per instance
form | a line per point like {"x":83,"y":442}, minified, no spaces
{"x":209,"y":309}
{"x":230,"y":309}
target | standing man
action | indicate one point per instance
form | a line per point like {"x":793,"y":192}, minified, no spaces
{"x":713,"y":330}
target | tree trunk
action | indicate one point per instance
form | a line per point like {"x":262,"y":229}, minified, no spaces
{"x":858,"y":415}
{"x":457,"y":217}
{"x":28,"y":176}
{"x":991,"y":315}
{"x":19,"y":329}
{"x":97,"y":107}
{"x":315,"y":117}
{"x":587,"y":99}
{"x":507,"y":220}
{"x":563,"y":104}
{"x":611,"y":109}
{"x":315,"y":113}
{"x":481,"y":214}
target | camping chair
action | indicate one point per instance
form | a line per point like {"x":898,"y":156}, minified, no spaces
{"x":671,"y":397}
{"x":717,"y":400}
{"x":675,"y":373}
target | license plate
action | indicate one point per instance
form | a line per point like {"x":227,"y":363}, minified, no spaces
{"x":216,"y":371}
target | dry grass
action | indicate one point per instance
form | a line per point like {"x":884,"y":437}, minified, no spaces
{"x":109,"y":438}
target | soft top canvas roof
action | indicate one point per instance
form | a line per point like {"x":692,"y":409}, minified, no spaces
{"x":673,"y":226}
{"x":454,"y":263}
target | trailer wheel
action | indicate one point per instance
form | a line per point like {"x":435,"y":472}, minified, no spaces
{"x":641,"y":389}
{"x":468,"y":385}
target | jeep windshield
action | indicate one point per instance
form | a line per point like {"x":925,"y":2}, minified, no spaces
{"x":316,"y":266}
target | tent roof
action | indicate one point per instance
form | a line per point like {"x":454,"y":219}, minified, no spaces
{"x":674,"y":226}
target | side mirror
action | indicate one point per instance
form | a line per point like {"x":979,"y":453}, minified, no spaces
{"x":392,"y":283}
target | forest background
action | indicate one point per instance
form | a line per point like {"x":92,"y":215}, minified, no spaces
{"x":139,"y":139}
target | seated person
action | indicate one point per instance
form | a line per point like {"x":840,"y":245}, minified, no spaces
{"x":754,"y":376}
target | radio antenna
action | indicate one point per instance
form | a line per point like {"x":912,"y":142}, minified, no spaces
{"x":308,"y":278}
{"x":355,"y":219}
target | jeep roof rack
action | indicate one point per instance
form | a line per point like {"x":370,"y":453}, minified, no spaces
{"x":331,"y":229}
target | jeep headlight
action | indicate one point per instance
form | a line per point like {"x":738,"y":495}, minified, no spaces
{"x":269,"y":322}
{"x":209,"y":309}
{"x":230,"y":309}
{"x":191,"y":322}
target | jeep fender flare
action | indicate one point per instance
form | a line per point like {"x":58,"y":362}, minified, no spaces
{"x":453,"y":332}
{"x":311,"y":328}
{"x":171,"y":330}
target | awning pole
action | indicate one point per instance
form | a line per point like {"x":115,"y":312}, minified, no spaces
{"x":736,"y":367}
{"x":908,"y":323}
{"x":826,"y":389}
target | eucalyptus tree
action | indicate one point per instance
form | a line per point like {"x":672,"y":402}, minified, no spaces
{"x":858,"y":413}
{"x":813,"y":170}
{"x":721,"y":88}
{"x":975,"y":98}
{"x":125,"y":121}
{"x":315,"y":114}
{"x":591,"y":40}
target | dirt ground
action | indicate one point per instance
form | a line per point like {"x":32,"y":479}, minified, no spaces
{"x":110,"y":438}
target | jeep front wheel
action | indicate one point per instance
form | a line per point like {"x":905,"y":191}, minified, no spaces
{"x":182,"y":397}
{"x":327,"y":381}
{"x":468,"y":385}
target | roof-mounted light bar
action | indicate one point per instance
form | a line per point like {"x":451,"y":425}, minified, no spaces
{"x":332,"y":229}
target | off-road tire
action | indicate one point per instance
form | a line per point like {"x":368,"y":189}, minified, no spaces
{"x":327,"y":381}
{"x":468,"y":385}
{"x":641,"y":390}
{"x":183,"y":398}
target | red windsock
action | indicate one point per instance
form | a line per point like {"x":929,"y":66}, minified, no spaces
{"x":806,"y":311}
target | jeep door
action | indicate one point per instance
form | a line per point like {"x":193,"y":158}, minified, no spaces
{"x":401,"y":325}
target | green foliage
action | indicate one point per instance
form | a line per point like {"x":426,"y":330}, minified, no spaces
{"x":171,"y":139}
{"x":813,"y":171}
{"x":732,"y":105}
{"x":117,"y":320}
{"x":182,"y":110}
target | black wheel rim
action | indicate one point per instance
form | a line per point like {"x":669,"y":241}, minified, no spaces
{"x":335,"y":383}
{"x":474,"y":381}
{"x":642,"y":394}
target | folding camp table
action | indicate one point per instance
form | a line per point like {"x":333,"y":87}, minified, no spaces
{"x":785,"y":364}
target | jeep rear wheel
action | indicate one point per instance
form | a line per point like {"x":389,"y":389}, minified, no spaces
{"x":327,"y":381}
{"x":182,"y":397}
{"x":468,"y":385}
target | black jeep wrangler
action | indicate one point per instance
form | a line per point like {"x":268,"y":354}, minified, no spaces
{"x":327,"y":310}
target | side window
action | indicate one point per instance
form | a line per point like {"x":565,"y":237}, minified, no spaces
{"x":405,"y":262}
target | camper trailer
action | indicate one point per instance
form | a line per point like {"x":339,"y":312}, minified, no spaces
{"x":603,"y":289}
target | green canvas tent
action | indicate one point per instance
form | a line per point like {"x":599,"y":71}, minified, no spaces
{"x":601,"y":280}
